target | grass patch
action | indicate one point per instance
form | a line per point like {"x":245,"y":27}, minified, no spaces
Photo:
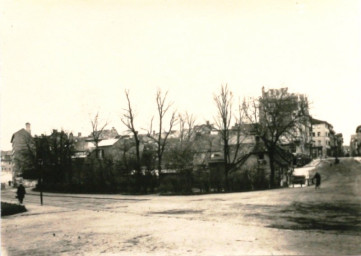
{"x":9,"y":209}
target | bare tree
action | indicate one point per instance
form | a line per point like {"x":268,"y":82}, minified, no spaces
{"x":223,"y":120}
{"x":97,"y":130}
{"x":186,"y":127}
{"x":128,"y":120}
{"x":180,"y":154}
{"x":162,"y":137}
{"x":275,"y":117}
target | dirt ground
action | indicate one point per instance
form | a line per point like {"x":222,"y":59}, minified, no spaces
{"x":289,"y":221}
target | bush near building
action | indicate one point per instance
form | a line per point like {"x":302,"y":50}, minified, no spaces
{"x":10,"y":209}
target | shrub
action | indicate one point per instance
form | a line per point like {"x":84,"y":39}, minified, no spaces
{"x":180,"y":183}
{"x":239,"y":181}
{"x":9,"y":209}
{"x":216,"y":179}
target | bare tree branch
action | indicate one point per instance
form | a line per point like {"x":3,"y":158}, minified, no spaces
{"x":96,"y":131}
{"x":223,"y":120}
{"x":128,"y":120}
{"x":162,"y":108}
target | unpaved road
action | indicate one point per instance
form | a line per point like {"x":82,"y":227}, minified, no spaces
{"x":292,"y":221}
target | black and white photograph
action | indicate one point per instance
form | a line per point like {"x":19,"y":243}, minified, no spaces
{"x":180,"y":127}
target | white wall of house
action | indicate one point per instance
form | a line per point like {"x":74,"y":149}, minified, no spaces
{"x":321,"y":137}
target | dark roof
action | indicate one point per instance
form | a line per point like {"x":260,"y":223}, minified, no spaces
{"x":283,"y":157}
{"x":105,"y":134}
{"x":317,"y":121}
{"x":204,"y":143}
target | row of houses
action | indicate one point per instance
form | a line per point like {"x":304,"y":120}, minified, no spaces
{"x":325,"y":141}
{"x":319,"y":140}
{"x":206,"y":147}
{"x":313,"y":138}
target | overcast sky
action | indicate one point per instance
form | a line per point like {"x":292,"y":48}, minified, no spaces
{"x":62,"y":61}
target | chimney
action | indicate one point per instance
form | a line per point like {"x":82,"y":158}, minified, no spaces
{"x":27,"y":127}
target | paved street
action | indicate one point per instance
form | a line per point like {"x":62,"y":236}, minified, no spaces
{"x":292,"y":221}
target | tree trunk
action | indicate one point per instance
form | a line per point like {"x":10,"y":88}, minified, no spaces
{"x":272,"y":166}
{"x":225,"y":152}
{"x":226,"y":180}
{"x":138,"y":166}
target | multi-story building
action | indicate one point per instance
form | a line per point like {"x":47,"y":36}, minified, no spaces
{"x":338,"y":145}
{"x":23,"y":148}
{"x":323,"y":139}
{"x":6,"y":166}
{"x":355,"y":143}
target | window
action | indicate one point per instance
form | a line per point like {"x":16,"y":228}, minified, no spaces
{"x":313,"y":134}
{"x":319,"y":142}
{"x":318,"y":134}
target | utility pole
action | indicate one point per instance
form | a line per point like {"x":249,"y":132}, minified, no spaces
{"x":40,"y":182}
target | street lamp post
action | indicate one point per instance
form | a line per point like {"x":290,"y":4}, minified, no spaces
{"x":40,"y":182}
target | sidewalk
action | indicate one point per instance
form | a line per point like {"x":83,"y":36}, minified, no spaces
{"x":35,"y":209}
{"x":93,"y":196}
{"x":29,"y":191}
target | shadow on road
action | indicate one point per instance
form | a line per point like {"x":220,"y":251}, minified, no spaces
{"x":319,"y":216}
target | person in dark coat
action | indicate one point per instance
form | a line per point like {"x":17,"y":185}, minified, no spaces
{"x":317,"y":177}
{"x":20,"y":193}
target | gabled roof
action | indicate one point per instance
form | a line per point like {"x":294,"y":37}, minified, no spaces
{"x":21,"y":131}
{"x":107,"y":143}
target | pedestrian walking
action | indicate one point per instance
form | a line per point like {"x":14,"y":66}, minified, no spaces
{"x":317,"y":177}
{"x":20,"y":193}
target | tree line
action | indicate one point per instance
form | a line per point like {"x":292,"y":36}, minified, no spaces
{"x":142,"y":161}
